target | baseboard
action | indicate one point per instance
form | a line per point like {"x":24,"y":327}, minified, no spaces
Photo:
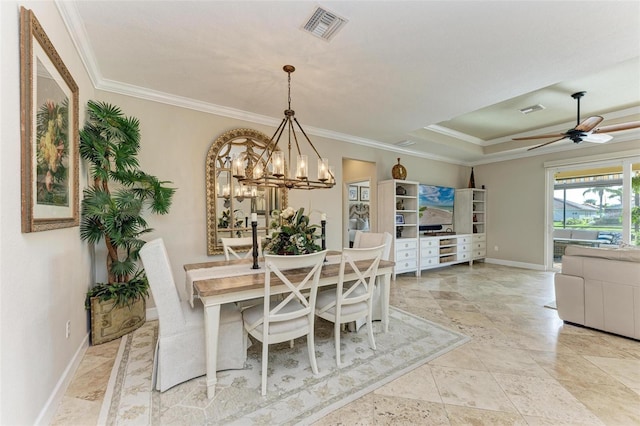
{"x":523,"y":265}
{"x":152,"y":314}
{"x":49,"y":410}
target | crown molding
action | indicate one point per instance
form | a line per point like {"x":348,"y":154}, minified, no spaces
{"x":77,"y":32}
{"x":455,"y":134}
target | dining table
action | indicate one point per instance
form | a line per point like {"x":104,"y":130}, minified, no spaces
{"x":231,"y":281}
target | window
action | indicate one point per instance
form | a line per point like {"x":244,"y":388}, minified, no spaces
{"x":595,"y":204}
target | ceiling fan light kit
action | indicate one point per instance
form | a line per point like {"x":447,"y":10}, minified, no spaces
{"x":585,"y":130}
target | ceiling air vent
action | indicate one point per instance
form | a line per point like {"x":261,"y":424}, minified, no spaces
{"x":532,"y":108}
{"x":324,"y":24}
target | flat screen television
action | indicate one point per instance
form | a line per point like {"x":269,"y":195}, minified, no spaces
{"x":436,"y":207}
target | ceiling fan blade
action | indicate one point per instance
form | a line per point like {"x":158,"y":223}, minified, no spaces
{"x":555,"y":135}
{"x":618,"y":127}
{"x":597,"y":138}
{"x":545,"y":144}
{"x":589,"y":123}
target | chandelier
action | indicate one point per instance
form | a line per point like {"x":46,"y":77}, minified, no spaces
{"x":269,"y":168}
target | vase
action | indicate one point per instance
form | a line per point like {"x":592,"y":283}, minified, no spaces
{"x":399,"y":171}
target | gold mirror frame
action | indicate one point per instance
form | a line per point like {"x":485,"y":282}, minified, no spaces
{"x":222,"y":208}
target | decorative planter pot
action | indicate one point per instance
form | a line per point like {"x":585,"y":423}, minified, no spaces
{"x":109,"y":322}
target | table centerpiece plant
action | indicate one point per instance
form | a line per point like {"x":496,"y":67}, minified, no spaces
{"x":292,"y":234}
{"x":112,"y":210}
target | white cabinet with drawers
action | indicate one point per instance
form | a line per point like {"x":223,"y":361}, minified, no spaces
{"x":443,"y":250}
{"x":398,"y":215}
{"x":479,"y":246}
{"x":470,"y":217}
{"x":406,"y":255}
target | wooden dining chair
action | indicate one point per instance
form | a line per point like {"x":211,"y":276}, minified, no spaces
{"x":292,"y":316}
{"x":351,"y":301}
{"x":230,"y":244}
{"x":373,"y":239}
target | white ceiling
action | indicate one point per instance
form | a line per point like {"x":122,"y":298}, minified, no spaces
{"x":447,"y":75}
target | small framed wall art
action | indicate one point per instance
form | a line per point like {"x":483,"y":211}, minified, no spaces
{"x":353,"y":193}
{"x":49,"y":135}
{"x":399,"y":219}
{"x":364,"y":193}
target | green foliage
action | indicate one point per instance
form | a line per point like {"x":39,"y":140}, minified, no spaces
{"x":52,"y":152}
{"x":226,"y":219}
{"x":124,"y":294}
{"x":635,"y":215}
{"x":577,"y":221}
{"x":110,"y":142}
{"x":292,"y":233}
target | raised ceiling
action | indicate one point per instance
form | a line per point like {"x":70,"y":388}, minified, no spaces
{"x":449,"y":76}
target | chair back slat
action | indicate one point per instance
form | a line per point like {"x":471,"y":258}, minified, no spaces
{"x":278,"y":265}
{"x":295,"y":292}
{"x":364,"y":263}
{"x":230,"y":244}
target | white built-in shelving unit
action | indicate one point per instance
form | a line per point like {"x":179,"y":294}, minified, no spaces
{"x":398,"y":215}
{"x":470,"y":217}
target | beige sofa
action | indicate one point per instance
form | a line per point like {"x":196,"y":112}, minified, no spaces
{"x":600,"y":288}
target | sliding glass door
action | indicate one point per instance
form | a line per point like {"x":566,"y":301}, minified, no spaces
{"x":594,"y":204}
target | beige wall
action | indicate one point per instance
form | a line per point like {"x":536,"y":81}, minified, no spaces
{"x":516,"y":202}
{"x":174,"y":145}
{"x":43,"y":275}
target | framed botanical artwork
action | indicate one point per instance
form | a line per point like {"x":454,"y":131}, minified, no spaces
{"x":364,"y":193}
{"x":49,"y":136}
{"x":353,"y":193}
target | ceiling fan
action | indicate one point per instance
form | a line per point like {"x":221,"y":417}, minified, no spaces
{"x":585,"y":130}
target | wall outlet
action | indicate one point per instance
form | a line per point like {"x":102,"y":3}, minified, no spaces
{"x":67,"y":331}
{"x":495,"y":248}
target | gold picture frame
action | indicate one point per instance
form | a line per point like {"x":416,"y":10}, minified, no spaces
{"x":49,"y":132}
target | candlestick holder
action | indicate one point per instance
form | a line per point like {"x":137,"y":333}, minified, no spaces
{"x":254,"y":234}
{"x":323,"y":225}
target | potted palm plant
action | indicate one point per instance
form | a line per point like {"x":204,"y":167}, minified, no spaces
{"x":112,"y":211}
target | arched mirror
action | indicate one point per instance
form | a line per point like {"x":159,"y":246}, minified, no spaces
{"x":229,"y":203}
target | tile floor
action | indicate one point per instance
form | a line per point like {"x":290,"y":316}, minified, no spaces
{"x":523,"y":366}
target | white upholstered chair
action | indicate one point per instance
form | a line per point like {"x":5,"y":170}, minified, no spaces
{"x":351,"y":301}
{"x":374,"y":239}
{"x":293,"y":316}
{"x":228,"y":245}
{"x":180,"y":349}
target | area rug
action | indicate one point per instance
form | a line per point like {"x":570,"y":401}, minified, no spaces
{"x":294,"y":394}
